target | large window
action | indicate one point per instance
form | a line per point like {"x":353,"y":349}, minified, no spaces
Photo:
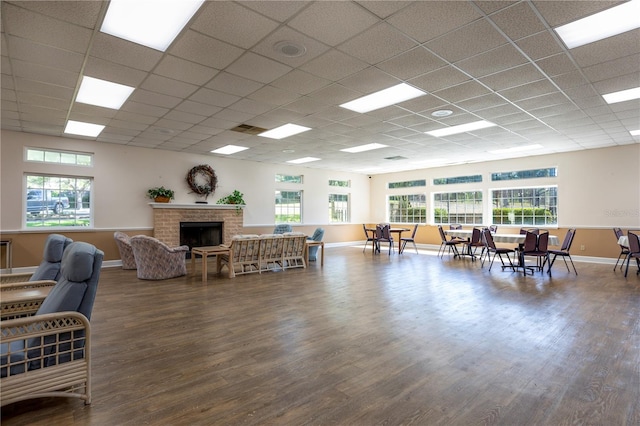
{"x":407,"y":208}
{"x":458,"y":207}
{"x":339,"y":208}
{"x":526,"y":206}
{"x":57,"y":201}
{"x":288,"y":207}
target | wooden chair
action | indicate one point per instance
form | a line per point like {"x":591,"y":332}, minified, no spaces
{"x":243,"y":257}
{"x":293,"y":250}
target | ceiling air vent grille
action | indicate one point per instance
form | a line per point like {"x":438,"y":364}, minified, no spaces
{"x":248,"y":129}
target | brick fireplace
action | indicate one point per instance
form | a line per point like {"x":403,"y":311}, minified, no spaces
{"x":167,"y":218}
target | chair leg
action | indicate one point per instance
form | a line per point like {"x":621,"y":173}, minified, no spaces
{"x":574,"y":266}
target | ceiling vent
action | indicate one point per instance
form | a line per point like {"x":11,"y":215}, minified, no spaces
{"x":248,"y":129}
{"x":290,"y":49}
{"x":397,"y":157}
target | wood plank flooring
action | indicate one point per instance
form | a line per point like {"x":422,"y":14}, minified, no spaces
{"x":366,"y":340}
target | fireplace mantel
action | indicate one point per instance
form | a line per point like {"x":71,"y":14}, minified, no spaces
{"x":197,"y":206}
{"x":167,"y":218}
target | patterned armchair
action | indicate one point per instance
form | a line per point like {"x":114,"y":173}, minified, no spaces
{"x":156,"y":260}
{"x":126,"y":252}
{"x":49,"y":268}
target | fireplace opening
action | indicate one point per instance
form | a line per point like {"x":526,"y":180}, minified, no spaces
{"x":200,"y":234}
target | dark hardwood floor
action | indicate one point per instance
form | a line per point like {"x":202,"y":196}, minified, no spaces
{"x":366,"y":340}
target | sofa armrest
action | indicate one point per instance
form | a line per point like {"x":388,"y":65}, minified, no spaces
{"x":54,"y":348}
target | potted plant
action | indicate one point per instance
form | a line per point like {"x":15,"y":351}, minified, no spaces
{"x":234,"y":198}
{"x":160,"y":194}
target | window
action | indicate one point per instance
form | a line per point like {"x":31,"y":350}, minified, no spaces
{"x":526,"y":174}
{"x":408,"y":208}
{"x":339,"y":208}
{"x":288,"y":178}
{"x":341,"y":183}
{"x":458,"y":207}
{"x":288,"y":206}
{"x":57,"y":201}
{"x":526,"y":206}
{"x":59,"y":157}
{"x":458,"y":179}
{"x":408,"y":183}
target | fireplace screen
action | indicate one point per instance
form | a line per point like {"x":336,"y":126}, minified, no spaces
{"x":200,"y":234}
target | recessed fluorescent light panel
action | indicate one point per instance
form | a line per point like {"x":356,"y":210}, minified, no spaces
{"x":303,"y":160}
{"x":103,"y":93}
{"x":284,"y":131}
{"x":362,"y":148}
{"x":623,"y":95}
{"x":635,"y":132}
{"x":516,"y":149}
{"x":462,"y":128}
{"x":83,"y":129}
{"x":610,"y":22}
{"x":229,"y":149}
{"x":152,"y":23}
{"x":393,"y":95}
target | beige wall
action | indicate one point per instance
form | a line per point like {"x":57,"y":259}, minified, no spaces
{"x":598,"y":189}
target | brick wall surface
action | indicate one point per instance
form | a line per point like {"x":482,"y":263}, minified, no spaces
{"x":166,"y":222}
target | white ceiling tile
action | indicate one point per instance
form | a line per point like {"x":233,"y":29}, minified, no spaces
{"x":199,"y":48}
{"x":413,"y":63}
{"x":276,"y":9}
{"x":234,"y":84}
{"x":124,"y":52}
{"x":110,"y":71}
{"x":184,"y":117}
{"x":300,"y":82}
{"x":467,"y":41}
{"x":273,"y":95}
{"x":496,"y":60}
{"x":213,"y":97}
{"x":183,"y":70}
{"x":82,"y":13}
{"x":332,"y":22}
{"x":334,"y":65}
{"x":49,"y":56}
{"x":466,"y":90}
{"x":252,"y":107}
{"x":258,"y":68}
{"x":229,"y":21}
{"x":384,"y":8}
{"x":42,"y":74}
{"x":518,"y":20}
{"x":197,"y":108}
{"x":378,"y":43}
{"x":145,"y":109}
{"x":269,"y":47}
{"x":539,"y":45}
{"x":152,"y":98}
{"x":168,"y":86}
{"x":425,"y":21}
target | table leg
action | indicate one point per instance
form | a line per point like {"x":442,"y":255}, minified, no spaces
{"x":322,"y":255}
{"x":204,"y":267}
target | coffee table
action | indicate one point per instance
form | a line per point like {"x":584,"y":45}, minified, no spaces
{"x":205,"y":252}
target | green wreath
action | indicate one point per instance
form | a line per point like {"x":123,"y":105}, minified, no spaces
{"x":202,"y":180}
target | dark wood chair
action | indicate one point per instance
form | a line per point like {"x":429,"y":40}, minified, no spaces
{"x":624,"y":250}
{"x":634,"y":251}
{"x":383,"y":235}
{"x":450,"y":244}
{"x":497,"y":251}
{"x":564,"y":251}
{"x":535,"y":245}
{"x":411,"y":239}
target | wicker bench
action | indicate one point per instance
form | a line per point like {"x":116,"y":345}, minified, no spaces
{"x":257,"y":253}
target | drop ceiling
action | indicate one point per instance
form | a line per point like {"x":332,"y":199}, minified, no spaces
{"x":499,"y":61}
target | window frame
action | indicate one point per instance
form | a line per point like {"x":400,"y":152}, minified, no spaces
{"x":405,"y":217}
{"x":348,"y":208}
{"x":61,"y":153}
{"x":40,"y":217}
{"x":474,"y":213}
{"x":278,"y":206}
{"x":542,"y":222}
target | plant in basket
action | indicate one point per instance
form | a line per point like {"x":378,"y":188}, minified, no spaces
{"x":160,"y":194}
